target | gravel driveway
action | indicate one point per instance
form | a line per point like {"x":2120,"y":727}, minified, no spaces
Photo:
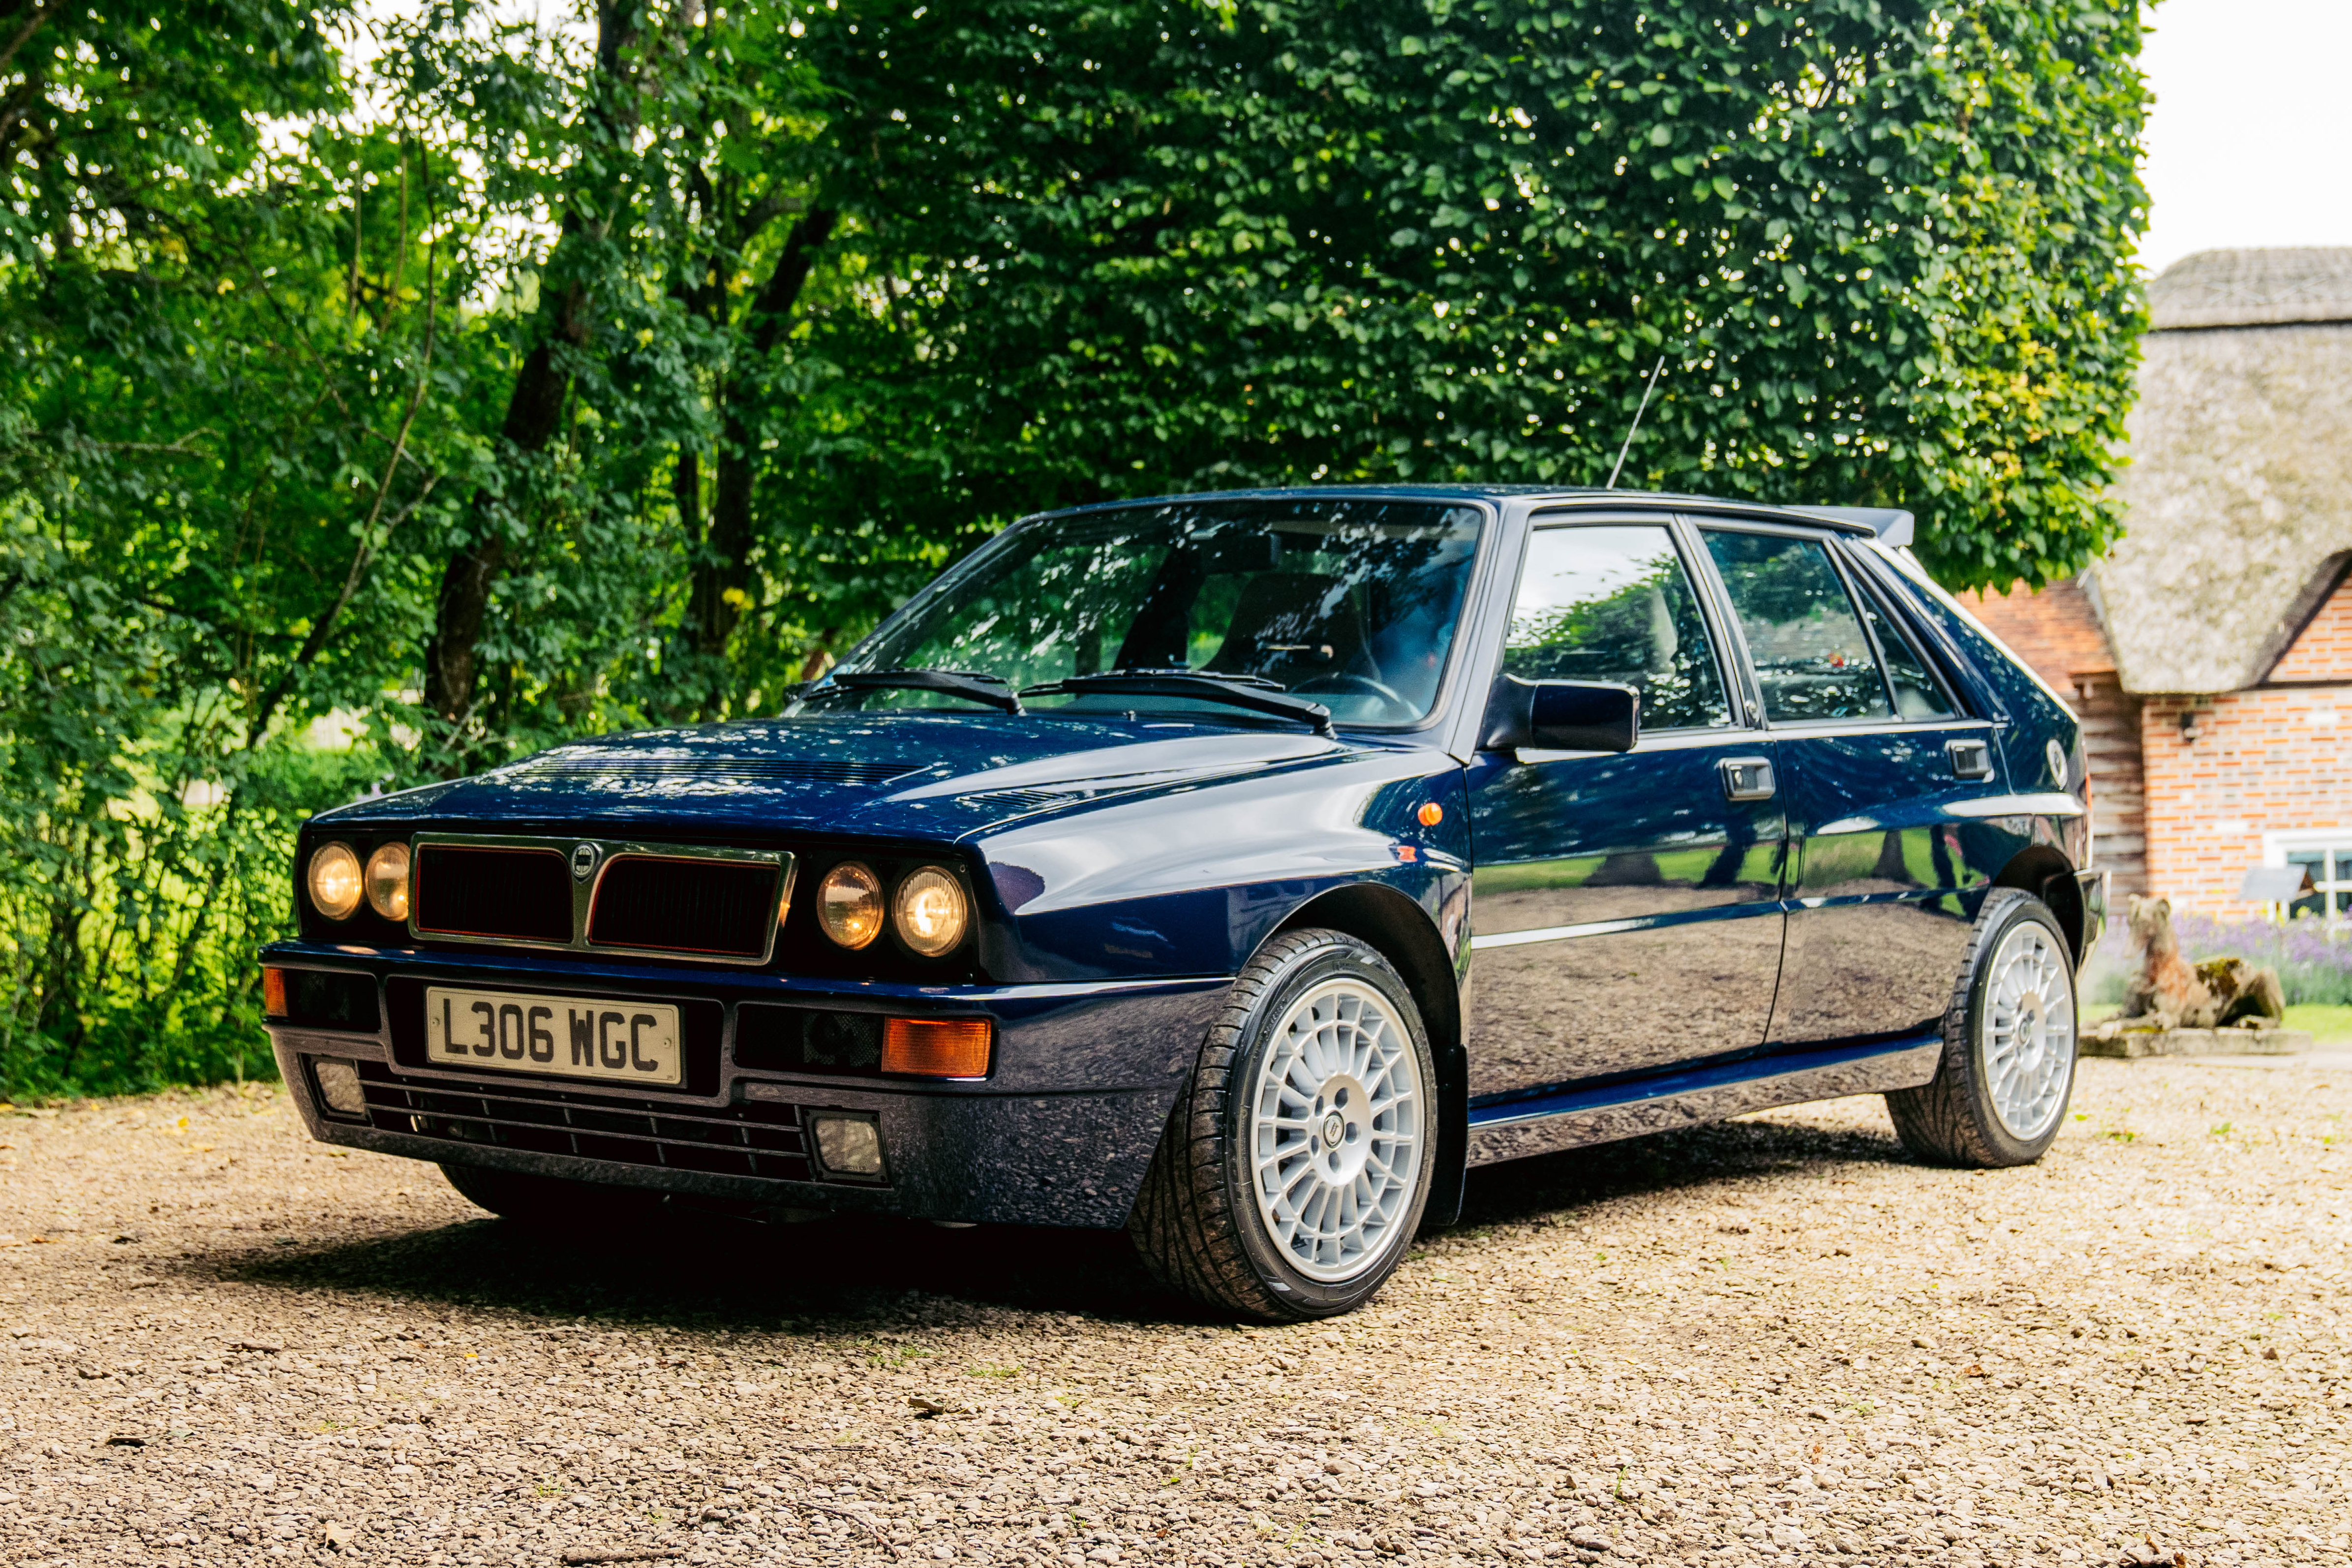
{"x":1773,"y":1340}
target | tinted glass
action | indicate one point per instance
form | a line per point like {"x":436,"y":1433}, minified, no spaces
{"x":1351,"y":604}
{"x":1615,"y":604}
{"x":1812,"y":658}
{"x":1917,"y":693}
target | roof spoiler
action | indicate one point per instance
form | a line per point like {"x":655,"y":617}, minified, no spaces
{"x":1891,"y":524}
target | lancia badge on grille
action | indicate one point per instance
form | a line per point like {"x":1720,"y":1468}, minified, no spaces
{"x":583,"y":861}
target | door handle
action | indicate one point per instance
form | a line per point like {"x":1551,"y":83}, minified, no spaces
{"x":1969,"y":759}
{"x":1748,"y":778}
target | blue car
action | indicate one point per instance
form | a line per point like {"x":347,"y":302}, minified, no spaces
{"x":1240,"y":869}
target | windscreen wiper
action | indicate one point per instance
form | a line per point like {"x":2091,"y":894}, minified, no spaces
{"x":1253,"y":692}
{"x":973,"y":685}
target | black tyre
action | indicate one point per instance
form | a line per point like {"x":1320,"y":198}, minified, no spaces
{"x":1296,"y":1164}
{"x":549,"y":1203}
{"x":2001,"y":1093}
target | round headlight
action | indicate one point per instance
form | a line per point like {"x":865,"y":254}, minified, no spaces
{"x":335,"y":881}
{"x":849,"y":904}
{"x":932,"y":911}
{"x":387,"y":882}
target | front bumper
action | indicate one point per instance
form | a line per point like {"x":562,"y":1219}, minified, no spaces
{"x":1061,"y":1132}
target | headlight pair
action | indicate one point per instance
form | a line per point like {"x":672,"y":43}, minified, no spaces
{"x":931,"y":909}
{"x":338,"y":882}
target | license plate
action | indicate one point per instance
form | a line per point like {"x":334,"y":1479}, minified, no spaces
{"x":569,"y":1036}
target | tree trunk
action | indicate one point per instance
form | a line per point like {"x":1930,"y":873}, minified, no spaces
{"x":534,"y":407}
{"x":726,"y":564}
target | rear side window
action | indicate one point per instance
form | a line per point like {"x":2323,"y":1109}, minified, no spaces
{"x":1917,"y":693}
{"x":1813,"y":661}
{"x":1615,"y":604}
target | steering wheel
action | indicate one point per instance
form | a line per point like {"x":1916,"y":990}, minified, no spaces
{"x":1347,"y":680}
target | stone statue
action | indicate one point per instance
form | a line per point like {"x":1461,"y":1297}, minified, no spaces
{"x":2170,"y":992}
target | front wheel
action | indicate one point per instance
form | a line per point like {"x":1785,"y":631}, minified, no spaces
{"x":1295,"y":1169}
{"x":2000,"y":1092}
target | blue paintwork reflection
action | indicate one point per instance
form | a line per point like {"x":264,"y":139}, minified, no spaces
{"x":1683,"y":884}
{"x":1884,"y":889}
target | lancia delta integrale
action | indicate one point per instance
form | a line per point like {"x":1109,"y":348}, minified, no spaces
{"x":1239,"y":870}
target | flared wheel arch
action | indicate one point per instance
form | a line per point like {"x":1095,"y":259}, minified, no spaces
{"x":1400,"y":930}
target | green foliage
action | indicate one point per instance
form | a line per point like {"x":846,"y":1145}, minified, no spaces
{"x":373,"y":413}
{"x":1882,"y":247}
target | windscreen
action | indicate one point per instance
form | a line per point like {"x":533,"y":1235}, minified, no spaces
{"x":1351,"y":604}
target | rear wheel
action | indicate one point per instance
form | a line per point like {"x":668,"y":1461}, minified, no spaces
{"x":1295,"y":1169}
{"x":2000,"y":1092}
{"x":549,"y":1203}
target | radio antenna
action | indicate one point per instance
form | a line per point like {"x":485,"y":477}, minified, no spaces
{"x":1619,"y":467}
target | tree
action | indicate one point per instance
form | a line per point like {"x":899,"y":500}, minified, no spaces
{"x":1883,"y":250}
{"x":366,"y":423}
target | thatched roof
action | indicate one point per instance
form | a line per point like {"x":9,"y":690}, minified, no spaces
{"x":2238,"y":501}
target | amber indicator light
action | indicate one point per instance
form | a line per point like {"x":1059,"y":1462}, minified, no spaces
{"x":936,"y":1048}
{"x":273,"y":992}
{"x":1432,"y":815}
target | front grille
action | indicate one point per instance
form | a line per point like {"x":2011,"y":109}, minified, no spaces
{"x":767,"y":1141}
{"x":519,"y":894}
{"x":716,"y":907}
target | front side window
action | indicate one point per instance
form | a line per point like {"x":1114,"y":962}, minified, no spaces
{"x":1614,"y":604}
{"x":1812,"y":660}
{"x":1350,"y":604}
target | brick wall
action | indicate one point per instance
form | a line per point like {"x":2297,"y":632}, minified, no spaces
{"x":2054,"y":629}
{"x":2324,"y":649}
{"x":2264,"y":761}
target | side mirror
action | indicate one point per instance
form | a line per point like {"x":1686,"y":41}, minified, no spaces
{"x":1561,"y":716}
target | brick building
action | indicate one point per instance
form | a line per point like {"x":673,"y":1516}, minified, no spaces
{"x":2210,"y":653}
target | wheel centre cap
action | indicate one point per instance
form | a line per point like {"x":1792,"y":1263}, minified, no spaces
{"x":1342,"y":1128}
{"x":2029,"y":1015}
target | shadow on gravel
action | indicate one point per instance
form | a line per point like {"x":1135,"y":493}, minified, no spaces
{"x":704,"y":1271}
{"x":1722,"y":1152}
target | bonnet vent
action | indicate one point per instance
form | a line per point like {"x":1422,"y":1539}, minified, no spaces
{"x":633,"y":766}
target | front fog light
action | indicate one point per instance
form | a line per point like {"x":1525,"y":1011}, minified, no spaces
{"x":847,"y":1146}
{"x":335,"y":881}
{"x":387,"y":882}
{"x":931,"y":912}
{"x":849,"y":904}
{"x":339,"y":1085}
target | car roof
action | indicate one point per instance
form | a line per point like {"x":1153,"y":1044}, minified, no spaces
{"x":1890,"y":526}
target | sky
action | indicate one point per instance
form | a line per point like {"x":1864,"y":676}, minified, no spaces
{"x":2246,"y":143}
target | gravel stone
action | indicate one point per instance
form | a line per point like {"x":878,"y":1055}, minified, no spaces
{"x":1774,"y":1341}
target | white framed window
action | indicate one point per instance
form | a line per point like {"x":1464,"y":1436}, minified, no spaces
{"x":2327,"y":854}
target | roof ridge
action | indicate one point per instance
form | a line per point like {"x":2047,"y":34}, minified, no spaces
{"x":2256,"y":287}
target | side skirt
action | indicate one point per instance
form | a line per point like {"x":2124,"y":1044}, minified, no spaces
{"x":1570,"y":1118}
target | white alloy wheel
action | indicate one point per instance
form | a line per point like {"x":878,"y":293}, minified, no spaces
{"x":2026,"y":1031}
{"x":1336,"y":1155}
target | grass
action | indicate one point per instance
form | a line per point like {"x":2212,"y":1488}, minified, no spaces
{"x":2330,"y":1023}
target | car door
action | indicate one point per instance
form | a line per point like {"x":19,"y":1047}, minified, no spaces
{"x":1879,"y":767}
{"x":1625,"y":906}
